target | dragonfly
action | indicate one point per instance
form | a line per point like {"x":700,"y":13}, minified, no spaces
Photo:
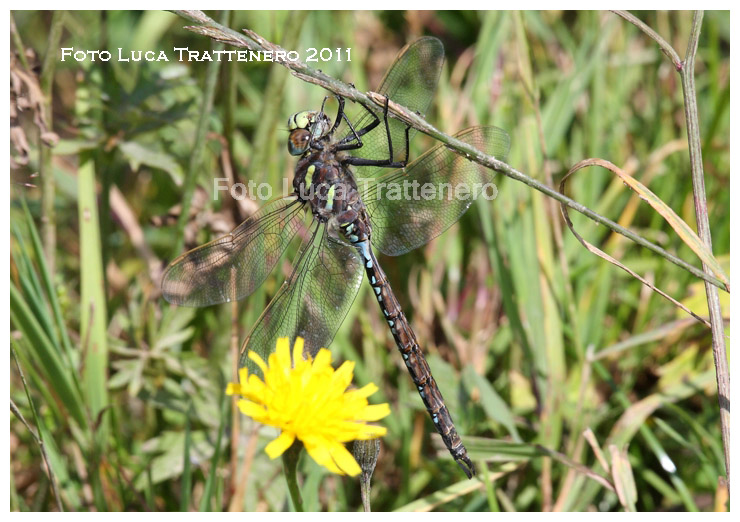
{"x":345,"y":205}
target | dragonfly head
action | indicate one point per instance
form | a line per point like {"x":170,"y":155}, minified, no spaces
{"x":305,"y":127}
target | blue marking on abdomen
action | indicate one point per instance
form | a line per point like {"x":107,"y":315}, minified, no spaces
{"x":364,"y":248}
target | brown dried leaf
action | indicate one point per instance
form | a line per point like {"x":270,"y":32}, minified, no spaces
{"x":680,"y":226}
{"x":26,"y":94}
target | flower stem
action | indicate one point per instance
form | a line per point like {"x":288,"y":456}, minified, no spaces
{"x":366,"y":453}
{"x":290,"y":466}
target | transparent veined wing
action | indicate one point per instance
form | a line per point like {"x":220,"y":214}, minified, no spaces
{"x":233,"y":266}
{"x":410,"y":81}
{"x":312,"y":302}
{"x":404,"y":218}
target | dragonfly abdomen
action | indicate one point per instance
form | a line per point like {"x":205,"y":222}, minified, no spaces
{"x":414,"y":358}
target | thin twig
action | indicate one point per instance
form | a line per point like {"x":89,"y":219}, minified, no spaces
{"x":664,"y":46}
{"x":473,"y":154}
{"x":234,"y":350}
{"x":237,"y":499}
{"x":302,"y":71}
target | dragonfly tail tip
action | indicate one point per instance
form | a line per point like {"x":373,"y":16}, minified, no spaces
{"x":467,"y":466}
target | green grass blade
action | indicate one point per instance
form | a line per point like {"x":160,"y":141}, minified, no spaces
{"x":46,"y":355}
{"x":93,"y":313}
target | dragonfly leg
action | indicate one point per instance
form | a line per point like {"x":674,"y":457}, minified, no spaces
{"x":346,"y":143}
{"x":390,"y":141}
{"x":316,"y":143}
{"x":406,"y":160}
{"x":323,"y":104}
{"x":340,"y":113}
{"x":388,"y":163}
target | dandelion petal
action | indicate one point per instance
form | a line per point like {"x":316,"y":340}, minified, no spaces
{"x":321,"y":454}
{"x":256,"y":359}
{"x":252,"y":409}
{"x":344,"y":459}
{"x":278,"y":446}
{"x":374,"y":412}
{"x":233,"y":389}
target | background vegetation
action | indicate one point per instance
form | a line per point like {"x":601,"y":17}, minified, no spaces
{"x":537,"y":344}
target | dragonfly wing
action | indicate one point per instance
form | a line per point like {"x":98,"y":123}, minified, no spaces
{"x":233,"y":266}
{"x":312,"y":302}
{"x":411,"y":81}
{"x":404,"y":218}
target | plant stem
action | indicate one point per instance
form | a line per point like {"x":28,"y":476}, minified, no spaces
{"x":719,"y":350}
{"x":664,"y":46}
{"x":46,"y":173}
{"x":290,"y":467}
{"x":686,"y":71}
{"x":18,"y":42}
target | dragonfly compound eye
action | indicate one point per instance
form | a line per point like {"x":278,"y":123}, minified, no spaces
{"x":301,"y":120}
{"x":298,"y":141}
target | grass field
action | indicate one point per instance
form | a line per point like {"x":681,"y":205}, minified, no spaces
{"x":554,"y":363}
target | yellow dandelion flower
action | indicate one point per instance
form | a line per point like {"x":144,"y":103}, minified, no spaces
{"x":309,"y":401}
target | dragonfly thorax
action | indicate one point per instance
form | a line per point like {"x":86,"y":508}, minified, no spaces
{"x":327,"y":186}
